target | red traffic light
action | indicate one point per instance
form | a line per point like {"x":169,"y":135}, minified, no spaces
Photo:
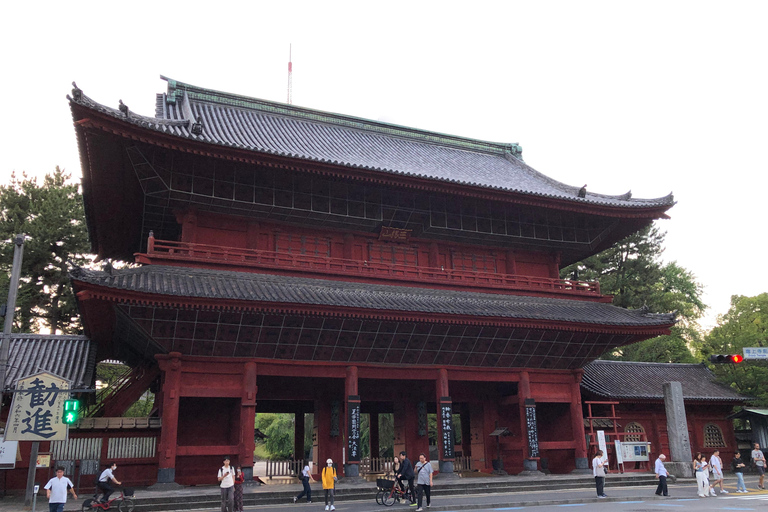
{"x":726,"y":358}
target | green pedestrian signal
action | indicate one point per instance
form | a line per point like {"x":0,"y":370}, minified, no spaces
{"x":71,"y":411}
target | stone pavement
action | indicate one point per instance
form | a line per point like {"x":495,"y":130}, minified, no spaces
{"x":448,"y":494}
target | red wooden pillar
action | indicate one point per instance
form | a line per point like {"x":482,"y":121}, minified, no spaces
{"x":171,"y":366}
{"x":445,"y":445}
{"x":577,"y":425}
{"x":373,"y":434}
{"x":298,"y":436}
{"x":248,"y":419}
{"x":477,"y":436}
{"x":352,"y":421}
{"x":329,"y":433}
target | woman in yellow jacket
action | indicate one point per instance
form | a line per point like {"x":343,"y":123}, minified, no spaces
{"x":329,"y":483}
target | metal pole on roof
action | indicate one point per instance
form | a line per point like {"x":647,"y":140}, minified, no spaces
{"x":10,"y":309}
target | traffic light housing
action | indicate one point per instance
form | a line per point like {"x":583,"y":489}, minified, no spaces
{"x":726,"y":358}
{"x":71,"y":411}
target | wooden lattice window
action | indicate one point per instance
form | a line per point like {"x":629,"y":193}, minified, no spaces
{"x":474,"y":262}
{"x":634,"y":431}
{"x":713,"y":436}
{"x":393,"y":254}
{"x":302,"y":244}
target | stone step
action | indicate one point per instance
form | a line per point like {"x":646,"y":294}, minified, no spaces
{"x":365,"y":491}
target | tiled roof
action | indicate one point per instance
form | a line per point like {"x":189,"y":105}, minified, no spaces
{"x":229,"y":120}
{"x":220,"y":284}
{"x":70,"y":357}
{"x":625,"y":380}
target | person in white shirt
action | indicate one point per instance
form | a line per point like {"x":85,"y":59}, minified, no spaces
{"x":104,"y":485}
{"x":661,"y":474}
{"x":717,"y":471}
{"x":598,"y":471}
{"x":56,"y":491}
{"x":227,"y":484}
{"x":306,"y":477}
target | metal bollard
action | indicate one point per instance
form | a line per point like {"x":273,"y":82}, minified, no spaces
{"x":34,"y":496}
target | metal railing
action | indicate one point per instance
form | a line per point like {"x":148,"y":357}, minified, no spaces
{"x":204,"y":253}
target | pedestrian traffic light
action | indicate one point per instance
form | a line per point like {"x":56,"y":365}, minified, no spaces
{"x":726,"y":358}
{"x":71,"y":411}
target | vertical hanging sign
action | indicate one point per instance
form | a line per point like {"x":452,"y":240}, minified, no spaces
{"x":446,"y":424}
{"x":353,"y":428}
{"x":531,"y":428}
{"x":37,"y":410}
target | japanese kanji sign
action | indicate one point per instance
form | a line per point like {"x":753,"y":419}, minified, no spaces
{"x":755,"y":352}
{"x":353,"y":428}
{"x":36,"y":415}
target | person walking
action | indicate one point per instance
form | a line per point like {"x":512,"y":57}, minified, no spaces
{"x":717,"y":471}
{"x":737,"y":466}
{"x":329,"y":483}
{"x":227,"y":485}
{"x":56,"y":491}
{"x":423,"y":481}
{"x":661,"y":474}
{"x":239,"y":481}
{"x":700,"y":469}
{"x":104,"y":484}
{"x":598,"y":471}
{"x":306,"y":477}
{"x":758,"y":459}
{"x":405,"y":472}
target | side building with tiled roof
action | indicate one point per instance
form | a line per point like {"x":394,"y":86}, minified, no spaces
{"x":294,"y":260}
{"x":632,"y":391}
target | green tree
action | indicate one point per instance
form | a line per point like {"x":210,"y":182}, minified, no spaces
{"x":632,"y":272}
{"x":279,"y":430}
{"x":52,"y":216}
{"x":744,"y":325}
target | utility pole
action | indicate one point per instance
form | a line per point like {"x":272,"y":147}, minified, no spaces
{"x":10,"y":309}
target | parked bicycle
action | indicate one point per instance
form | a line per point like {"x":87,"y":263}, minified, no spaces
{"x":124,"y":502}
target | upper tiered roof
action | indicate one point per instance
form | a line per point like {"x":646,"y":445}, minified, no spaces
{"x":228,"y":120}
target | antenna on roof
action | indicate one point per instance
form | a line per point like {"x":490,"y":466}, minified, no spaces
{"x":290,"y":77}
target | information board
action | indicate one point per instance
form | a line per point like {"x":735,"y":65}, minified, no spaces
{"x":634,"y":451}
{"x":602,"y":446}
{"x":353,"y":428}
{"x":8,"y":451}
{"x":531,"y":428}
{"x":446,"y":423}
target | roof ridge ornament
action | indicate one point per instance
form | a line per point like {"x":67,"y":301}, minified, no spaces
{"x":124,"y":108}
{"x":77,"y":93}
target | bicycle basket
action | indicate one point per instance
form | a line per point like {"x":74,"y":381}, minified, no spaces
{"x":128,"y":493}
{"x":384,"y":484}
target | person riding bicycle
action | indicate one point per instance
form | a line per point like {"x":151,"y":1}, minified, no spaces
{"x":104,"y":482}
{"x":405,"y":473}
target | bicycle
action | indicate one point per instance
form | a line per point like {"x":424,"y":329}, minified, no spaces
{"x":389,"y":496}
{"x":125,"y":503}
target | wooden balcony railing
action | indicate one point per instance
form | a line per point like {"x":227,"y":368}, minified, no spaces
{"x":163,"y":250}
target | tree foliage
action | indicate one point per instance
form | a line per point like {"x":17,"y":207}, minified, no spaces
{"x":633,"y":273}
{"x":744,"y":325}
{"x":279,"y":430}
{"x":52,"y":217}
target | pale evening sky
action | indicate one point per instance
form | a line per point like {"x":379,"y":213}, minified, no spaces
{"x":652,"y":96}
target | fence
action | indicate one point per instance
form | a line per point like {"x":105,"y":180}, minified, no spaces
{"x":290,"y":467}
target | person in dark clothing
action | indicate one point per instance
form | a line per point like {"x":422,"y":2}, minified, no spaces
{"x":405,"y":473}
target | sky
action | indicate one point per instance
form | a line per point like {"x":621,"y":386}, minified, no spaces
{"x":652,"y":96}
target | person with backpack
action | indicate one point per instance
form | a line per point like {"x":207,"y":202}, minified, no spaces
{"x":329,"y":483}
{"x":423,"y":481}
{"x":227,"y":485}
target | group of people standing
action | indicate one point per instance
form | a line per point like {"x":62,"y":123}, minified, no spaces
{"x":327,"y":476}
{"x":231,"y":483}
{"x":702,"y":469}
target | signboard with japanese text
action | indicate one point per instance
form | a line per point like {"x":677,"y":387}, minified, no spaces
{"x":532,"y":429}
{"x":634,"y":451}
{"x":9,"y":454}
{"x":602,"y":446}
{"x":354,"y":431}
{"x":755,"y":352}
{"x":394,"y":234}
{"x":446,"y":423}
{"x":37,"y":409}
